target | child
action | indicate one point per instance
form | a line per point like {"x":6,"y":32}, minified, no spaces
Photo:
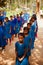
{"x":28,"y":26}
{"x":17,"y":25}
{"x":12,"y":23}
{"x":7,"y":28}
{"x":32,"y":31}
{"x":17,"y":29}
{"x":22,"y":20}
{"x":14,"y":27}
{"x":29,"y":30}
{"x":11,"y":18}
{"x":27,"y":36}
{"x":27,"y":41}
{"x":2,"y":36}
{"x":35,"y":18}
{"x":21,"y":58}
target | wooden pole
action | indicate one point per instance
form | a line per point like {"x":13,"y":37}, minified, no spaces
{"x":37,"y":6}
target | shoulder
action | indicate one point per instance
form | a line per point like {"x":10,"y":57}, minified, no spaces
{"x":33,"y":27}
{"x":16,"y":44}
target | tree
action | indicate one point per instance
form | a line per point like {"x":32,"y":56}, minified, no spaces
{"x":2,"y":3}
{"x":37,"y":6}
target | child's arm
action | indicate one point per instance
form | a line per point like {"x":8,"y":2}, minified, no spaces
{"x":20,"y":59}
{"x":16,"y":53}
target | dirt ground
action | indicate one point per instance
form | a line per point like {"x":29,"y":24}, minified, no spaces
{"x":7,"y":57}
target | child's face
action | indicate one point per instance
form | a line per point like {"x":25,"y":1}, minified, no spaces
{"x":25,"y":32}
{"x":6,"y":20}
{"x":11,"y":18}
{"x":20,"y":38}
{"x":31,"y":22}
{"x":28,"y":26}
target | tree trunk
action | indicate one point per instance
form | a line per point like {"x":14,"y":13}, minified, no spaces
{"x":37,"y":6}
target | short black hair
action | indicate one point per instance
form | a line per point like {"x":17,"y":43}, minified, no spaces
{"x":10,"y":16}
{"x":34,"y":16}
{"x":25,"y":28}
{"x":29,"y":24}
{"x":22,"y":34}
{"x":6,"y":17}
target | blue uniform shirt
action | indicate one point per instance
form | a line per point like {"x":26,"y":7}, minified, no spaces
{"x":27,"y":42}
{"x":2,"y":37}
{"x":32,"y":33}
{"x":20,"y":48}
{"x":7,"y":29}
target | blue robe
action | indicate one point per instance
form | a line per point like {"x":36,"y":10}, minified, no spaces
{"x":4,"y":13}
{"x":26,"y":16}
{"x":2,"y":18}
{"x":17,"y":28}
{"x":20,"y":48}
{"x":12,"y":27}
{"x":32,"y":33}
{"x":2,"y":37}
{"x":7,"y":29}
{"x":22,"y":20}
{"x":27,"y":42}
{"x":14,"y":23}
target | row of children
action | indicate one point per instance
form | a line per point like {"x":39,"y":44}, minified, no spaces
{"x":9,"y":28}
{"x":25,"y":43}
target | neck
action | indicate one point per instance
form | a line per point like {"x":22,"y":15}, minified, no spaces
{"x":21,"y":42}
{"x":26,"y":35}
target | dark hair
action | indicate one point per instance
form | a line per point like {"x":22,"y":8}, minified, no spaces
{"x":10,"y":16}
{"x":34,"y":16}
{"x":22,"y":34}
{"x":28,"y":24}
{"x":25,"y":28}
{"x":6,"y":17}
{"x":20,"y":14}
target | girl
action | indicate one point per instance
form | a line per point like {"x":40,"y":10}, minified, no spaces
{"x":21,"y":58}
{"x":2,"y":36}
{"x":7,"y":28}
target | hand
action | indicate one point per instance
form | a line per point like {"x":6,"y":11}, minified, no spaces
{"x":20,"y":59}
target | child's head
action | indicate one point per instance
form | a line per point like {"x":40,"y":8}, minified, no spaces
{"x":28,"y":26}
{"x":34,"y":15}
{"x":6,"y":19}
{"x":17,"y":15}
{"x":33,"y":19}
{"x":21,"y":13}
{"x":21,"y":37}
{"x":11,"y":17}
{"x":0,"y":22}
{"x":25,"y":31}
